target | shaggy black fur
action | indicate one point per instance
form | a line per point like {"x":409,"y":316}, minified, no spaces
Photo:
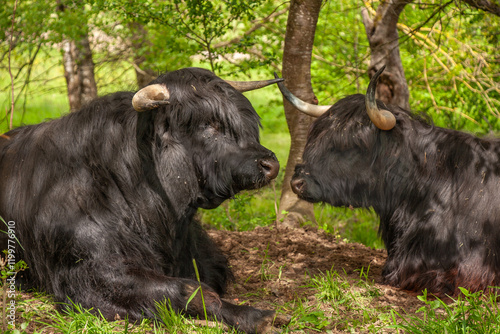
{"x":104,"y":199}
{"x":437,"y":192}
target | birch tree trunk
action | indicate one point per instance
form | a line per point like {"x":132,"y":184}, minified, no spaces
{"x":79,"y":72}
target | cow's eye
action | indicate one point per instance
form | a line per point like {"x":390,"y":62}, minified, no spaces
{"x":211,"y":128}
{"x":215,"y":126}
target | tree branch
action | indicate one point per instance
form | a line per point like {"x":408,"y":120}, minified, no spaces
{"x":27,"y":80}
{"x":492,"y":7}
{"x":10,"y":67}
{"x":13,"y":45}
{"x":252,"y":29}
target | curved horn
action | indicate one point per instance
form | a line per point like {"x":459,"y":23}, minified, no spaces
{"x":245,"y":86}
{"x":383,"y":119}
{"x":307,"y":108}
{"x":150,"y":97}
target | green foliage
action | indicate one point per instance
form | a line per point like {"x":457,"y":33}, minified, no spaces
{"x":341,"y":52}
{"x":469,"y":313}
{"x":452,"y":69}
{"x":149,"y":30}
{"x":353,"y":225}
{"x":7,"y":271}
{"x":187,"y":27}
{"x":22,"y":328}
{"x":449,"y":56}
{"x":449,"y":59}
{"x":45,"y":97}
{"x":244,"y":212}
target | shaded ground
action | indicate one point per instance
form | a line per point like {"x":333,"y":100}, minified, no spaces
{"x":273,"y":268}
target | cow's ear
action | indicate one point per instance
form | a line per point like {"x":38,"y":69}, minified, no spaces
{"x":150,"y":97}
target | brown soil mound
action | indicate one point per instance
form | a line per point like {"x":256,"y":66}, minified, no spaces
{"x":273,"y":266}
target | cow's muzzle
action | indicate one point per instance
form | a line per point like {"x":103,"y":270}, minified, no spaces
{"x":298,"y":185}
{"x":269,"y":167}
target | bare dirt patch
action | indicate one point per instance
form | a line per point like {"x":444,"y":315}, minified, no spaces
{"x":273,"y":267}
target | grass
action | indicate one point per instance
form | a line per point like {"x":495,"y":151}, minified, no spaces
{"x":40,"y":314}
{"x":335,"y":303}
{"x":266,"y":268}
{"x":343,"y":305}
{"x":347,"y":303}
{"x":352,"y":225}
{"x":468,"y":313}
{"x":79,"y":320}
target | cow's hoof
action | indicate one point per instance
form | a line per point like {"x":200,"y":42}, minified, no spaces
{"x":281,"y":320}
{"x":272,"y":323}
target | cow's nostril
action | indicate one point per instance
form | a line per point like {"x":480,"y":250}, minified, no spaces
{"x":270,"y":168}
{"x":298,"y":185}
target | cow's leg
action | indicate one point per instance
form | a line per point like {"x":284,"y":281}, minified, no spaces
{"x":133,"y":292}
{"x":211,"y":263}
{"x":413,"y":271}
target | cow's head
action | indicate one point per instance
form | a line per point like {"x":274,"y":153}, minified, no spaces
{"x":207,"y":134}
{"x":341,"y":164}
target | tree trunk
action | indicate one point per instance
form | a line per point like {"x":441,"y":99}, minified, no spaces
{"x":143,"y":76}
{"x":71,"y":74}
{"x":489,"y":6}
{"x":299,"y":40}
{"x":383,"y":37}
{"x":85,"y":65}
{"x":79,"y":72}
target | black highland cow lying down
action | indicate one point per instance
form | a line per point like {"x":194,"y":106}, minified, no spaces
{"x":104,"y":199}
{"x":437,"y":191}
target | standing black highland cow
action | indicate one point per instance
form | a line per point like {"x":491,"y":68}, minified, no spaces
{"x":103,"y":199}
{"x":437,"y":191}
